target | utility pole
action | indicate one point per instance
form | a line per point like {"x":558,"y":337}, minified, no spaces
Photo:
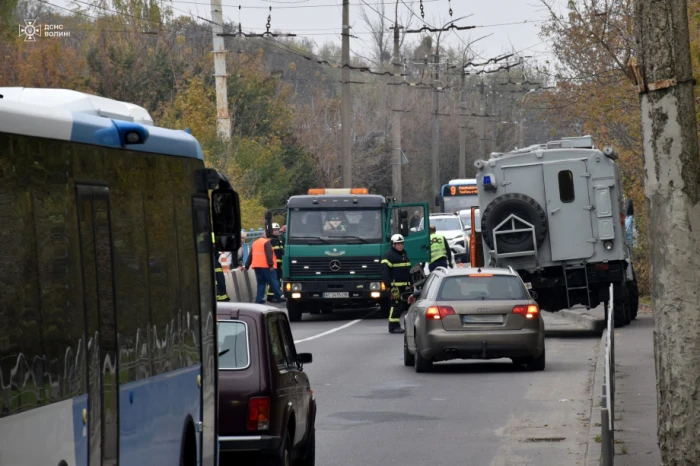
{"x":396,"y":117}
{"x":665,"y":82}
{"x":494,"y":117}
{"x":463,"y":130}
{"x":223,"y":119}
{"x":482,"y":119}
{"x":436,"y":124}
{"x":346,"y":102}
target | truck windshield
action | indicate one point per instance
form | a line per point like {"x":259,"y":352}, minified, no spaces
{"x":335,"y":225}
{"x":455,"y":203}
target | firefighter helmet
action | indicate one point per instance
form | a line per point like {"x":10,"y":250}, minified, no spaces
{"x":396,"y":239}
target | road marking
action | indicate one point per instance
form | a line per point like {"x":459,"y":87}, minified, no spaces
{"x":333,"y":330}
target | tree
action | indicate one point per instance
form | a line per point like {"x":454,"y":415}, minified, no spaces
{"x":672,"y":183}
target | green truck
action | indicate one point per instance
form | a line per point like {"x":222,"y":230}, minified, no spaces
{"x":335,"y":241}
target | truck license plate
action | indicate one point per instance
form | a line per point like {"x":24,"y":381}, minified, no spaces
{"x":343,"y":294}
{"x":482,"y":319}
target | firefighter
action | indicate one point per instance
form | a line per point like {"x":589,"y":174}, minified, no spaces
{"x":221,"y":294}
{"x":277,"y":243}
{"x":440,"y":252}
{"x":396,"y":275}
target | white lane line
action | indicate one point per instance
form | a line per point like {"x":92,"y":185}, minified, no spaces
{"x":333,"y":330}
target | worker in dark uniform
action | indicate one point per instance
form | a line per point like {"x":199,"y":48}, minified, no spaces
{"x":221,"y":293}
{"x":396,"y":276}
{"x":440,"y":252}
{"x":277,"y":243}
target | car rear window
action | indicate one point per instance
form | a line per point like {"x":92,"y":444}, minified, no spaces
{"x":495,"y":287}
{"x":233,"y":345}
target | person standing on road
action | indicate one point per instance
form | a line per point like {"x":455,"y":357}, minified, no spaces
{"x":277,"y":243}
{"x":219,"y":279}
{"x":415,"y":220}
{"x":262,"y":260}
{"x":440,"y":252}
{"x":396,"y":276}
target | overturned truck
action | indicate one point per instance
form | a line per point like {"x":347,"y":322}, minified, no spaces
{"x":554,"y":212}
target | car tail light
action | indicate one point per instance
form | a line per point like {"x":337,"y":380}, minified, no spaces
{"x":437,"y":313}
{"x":529,"y":311}
{"x":259,"y":413}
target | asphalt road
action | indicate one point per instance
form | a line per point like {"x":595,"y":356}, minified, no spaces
{"x":372,"y":410}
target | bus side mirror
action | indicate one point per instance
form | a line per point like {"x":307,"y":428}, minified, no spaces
{"x":437,"y":200}
{"x":226,"y":216}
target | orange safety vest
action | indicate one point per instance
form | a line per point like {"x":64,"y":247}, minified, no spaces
{"x":259,"y":256}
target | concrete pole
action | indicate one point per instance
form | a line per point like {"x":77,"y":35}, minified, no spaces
{"x":672,"y":186}
{"x":436,"y":126}
{"x":494,"y":117}
{"x":482,"y":120}
{"x":463,"y":131}
{"x":346,"y":102}
{"x":396,"y":119}
{"x":222,"y":117}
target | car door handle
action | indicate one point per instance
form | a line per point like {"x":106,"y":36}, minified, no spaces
{"x":296,"y":377}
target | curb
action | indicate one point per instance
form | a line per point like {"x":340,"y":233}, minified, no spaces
{"x":594,"y":450}
{"x":584,"y":319}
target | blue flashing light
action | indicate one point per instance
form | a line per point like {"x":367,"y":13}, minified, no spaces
{"x":131,"y":133}
{"x":487,"y":180}
{"x":188,"y":131}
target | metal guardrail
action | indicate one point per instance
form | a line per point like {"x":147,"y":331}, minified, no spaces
{"x":607,"y":413}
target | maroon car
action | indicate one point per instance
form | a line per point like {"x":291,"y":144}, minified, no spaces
{"x":267,"y":411}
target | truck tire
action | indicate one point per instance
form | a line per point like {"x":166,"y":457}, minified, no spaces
{"x":524,"y":207}
{"x":294,"y":311}
{"x":633,"y":294}
{"x":619,"y":300}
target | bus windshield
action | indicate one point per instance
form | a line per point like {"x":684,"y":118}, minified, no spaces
{"x":335,"y":225}
{"x":455,"y":203}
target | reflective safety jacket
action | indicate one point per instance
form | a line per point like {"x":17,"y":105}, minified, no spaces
{"x":396,"y":268}
{"x":278,"y":247}
{"x":439,"y":248}
{"x":261,"y":255}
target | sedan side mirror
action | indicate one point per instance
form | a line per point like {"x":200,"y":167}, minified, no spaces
{"x":304,"y":358}
{"x":533,"y":294}
{"x":416,"y":293}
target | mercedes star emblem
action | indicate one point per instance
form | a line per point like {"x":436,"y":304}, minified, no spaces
{"x":335,"y":265}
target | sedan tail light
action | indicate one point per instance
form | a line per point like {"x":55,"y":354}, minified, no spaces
{"x":530,"y":311}
{"x":437,"y":313}
{"x":259,"y":413}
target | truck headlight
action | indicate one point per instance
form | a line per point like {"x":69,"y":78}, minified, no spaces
{"x":375,"y":286}
{"x":608,"y":245}
{"x":296,"y":286}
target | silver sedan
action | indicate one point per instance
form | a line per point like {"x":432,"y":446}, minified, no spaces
{"x":471,"y":313}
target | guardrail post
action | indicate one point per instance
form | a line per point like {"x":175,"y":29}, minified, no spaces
{"x":606,"y":439}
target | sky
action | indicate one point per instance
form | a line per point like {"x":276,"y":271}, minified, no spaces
{"x":507,"y":23}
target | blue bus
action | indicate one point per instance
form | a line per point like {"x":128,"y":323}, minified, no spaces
{"x":457,"y":195}
{"x":107,"y":295}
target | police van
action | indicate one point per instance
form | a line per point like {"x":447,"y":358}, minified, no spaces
{"x":554,"y":212}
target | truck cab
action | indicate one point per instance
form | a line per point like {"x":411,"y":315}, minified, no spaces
{"x":554,"y":213}
{"x":334,"y":245}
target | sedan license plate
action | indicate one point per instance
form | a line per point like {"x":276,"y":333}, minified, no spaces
{"x":482,"y":319}
{"x":343,"y":294}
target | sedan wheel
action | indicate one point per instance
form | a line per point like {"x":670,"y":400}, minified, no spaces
{"x":408,"y":358}
{"x":421,"y":364}
{"x":537,"y":364}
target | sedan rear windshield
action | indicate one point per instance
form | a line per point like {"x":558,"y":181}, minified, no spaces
{"x":468,"y":288}
{"x":233,"y":345}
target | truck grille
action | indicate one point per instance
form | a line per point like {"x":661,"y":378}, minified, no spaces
{"x":335,"y":266}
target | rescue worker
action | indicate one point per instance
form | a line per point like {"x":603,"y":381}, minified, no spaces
{"x":334,"y":222}
{"x":440,"y":252}
{"x":221,"y":293}
{"x":262,"y":260}
{"x":396,"y":276}
{"x":277,"y":242}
